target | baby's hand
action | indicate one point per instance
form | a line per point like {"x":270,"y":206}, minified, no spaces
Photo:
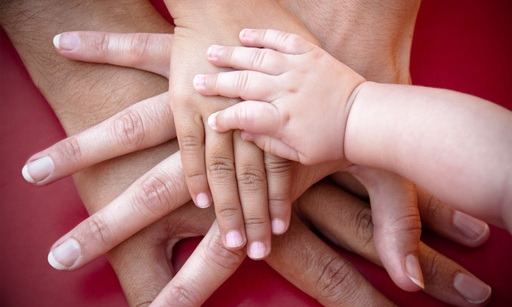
{"x":297,"y":96}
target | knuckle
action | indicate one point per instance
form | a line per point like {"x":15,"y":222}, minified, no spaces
{"x":225,"y":212}
{"x":138,"y":45}
{"x":99,"y":230}
{"x":250,"y":177}
{"x":278,"y":166}
{"x":364,"y":227}
{"x":181,"y":295}
{"x":334,"y":281}
{"x":241,"y":82}
{"x":429,"y":266}
{"x":408,"y":222}
{"x":221,"y":167}
{"x":222,"y":257}
{"x":257,"y":58}
{"x":102,"y":44}
{"x":72,"y":150}
{"x":255,"y":222}
{"x":129,"y":129}
{"x":189,"y":145}
{"x":154,"y":195}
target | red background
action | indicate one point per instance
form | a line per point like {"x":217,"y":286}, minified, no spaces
{"x":460,"y":45}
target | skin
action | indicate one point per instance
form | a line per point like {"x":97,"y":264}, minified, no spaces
{"x":276,"y":118}
{"x":100,"y":184}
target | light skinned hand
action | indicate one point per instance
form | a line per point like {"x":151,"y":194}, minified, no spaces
{"x":130,"y":130}
{"x":158,"y":107}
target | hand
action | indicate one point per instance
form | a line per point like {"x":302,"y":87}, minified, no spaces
{"x":393,"y":211}
{"x":235,"y":173}
{"x":288,"y":88}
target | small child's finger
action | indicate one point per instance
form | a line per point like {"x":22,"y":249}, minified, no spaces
{"x":273,"y":146}
{"x":241,"y":58}
{"x":252,"y":116}
{"x":248,"y":85}
{"x":280,"y":41}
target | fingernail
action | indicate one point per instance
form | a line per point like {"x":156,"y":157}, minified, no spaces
{"x":246,"y":33}
{"x":203,"y":200}
{"x":471,"y":288}
{"x":469,"y":226}
{"x":199,"y":82}
{"x":257,"y":250}
{"x":65,"y":255}
{"x":234,"y":239}
{"x":212,"y":121}
{"x":65,"y":41}
{"x":213,"y":52}
{"x":38,"y":170}
{"x":278,"y":226}
{"x":413,"y":268}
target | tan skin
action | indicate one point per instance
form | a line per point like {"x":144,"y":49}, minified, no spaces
{"x":91,"y":182}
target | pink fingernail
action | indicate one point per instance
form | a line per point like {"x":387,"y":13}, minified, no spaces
{"x":278,"y":226}
{"x":213,"y":52}
{"x":234,"y":239}
{"x":257,"y":250}
{"x":66,"y":41}
{"x":199,"y":82}
{"x":471,"y":288}
{"x":212,"y":121}
{"x":469,"y":226}
{"x":203,"y":200}
{"x":38,"y":170}
{"x":246,"y":33}
{"x":413,"y":268}
{"x":65,"y":255}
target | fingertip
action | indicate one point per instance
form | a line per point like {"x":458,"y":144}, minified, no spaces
{"x":199,"y":83}
{"x":203,"y":200}
{"x":56,"y":41}
{"x":258,"y":250}
{"x":212,"y":121}
{"x":413,"y":269}
{"x":66,"y":41}
{"x":279,"y":226}
{"x":234,"y":240}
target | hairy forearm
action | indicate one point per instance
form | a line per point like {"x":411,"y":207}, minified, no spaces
{"x":378,"y":33}
{"x":456,"y":145}
{"x":81,"y":94}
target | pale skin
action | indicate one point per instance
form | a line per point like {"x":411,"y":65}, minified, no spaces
{"x":97,"y":194}
{"x":304,"y":105}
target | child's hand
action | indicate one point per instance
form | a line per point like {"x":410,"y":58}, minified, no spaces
{"x":297,"y":95}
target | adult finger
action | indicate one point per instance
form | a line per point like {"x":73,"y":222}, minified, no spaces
{"x":146,"y":51}
{"x":277,"y":40}
{"x":397,"y":225}
{"x":307,"y":262}
{"x":280,"y":179}
{"x":207,"y":268}
{"x":221,"y":170}
{"x":252,"y":189}
{"x":143,"y":125}
{"x":248,"y":85}
{"x":347,"y":221}
{"x":452,"y":224}
{"x":263,"y":60}
{"x":159,"y":191}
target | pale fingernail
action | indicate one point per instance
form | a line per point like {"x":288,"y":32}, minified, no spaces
{"x":413,"y":268}
{"x":246,"y":33}
{"x":199,"y":82}
{"x":469,"y":226}
{"x":213,"y":52}
{"x":471,"y":288}
{"x":203,"y":200}
{"x":257,"y":250}
{"x":65,"y":41}
{"x":234,"y":239}
{"x":212,"y":121}
{"x":65,"y":255}
{"x":38,"y":170}
{"x":278,"y":226}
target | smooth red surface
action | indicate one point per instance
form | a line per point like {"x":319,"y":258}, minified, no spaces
{"x":461,"y":45}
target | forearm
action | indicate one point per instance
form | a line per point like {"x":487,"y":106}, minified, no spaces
{"x":81,"y":94}
{"x":456,"y":145}
{"x":374,"y":39}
